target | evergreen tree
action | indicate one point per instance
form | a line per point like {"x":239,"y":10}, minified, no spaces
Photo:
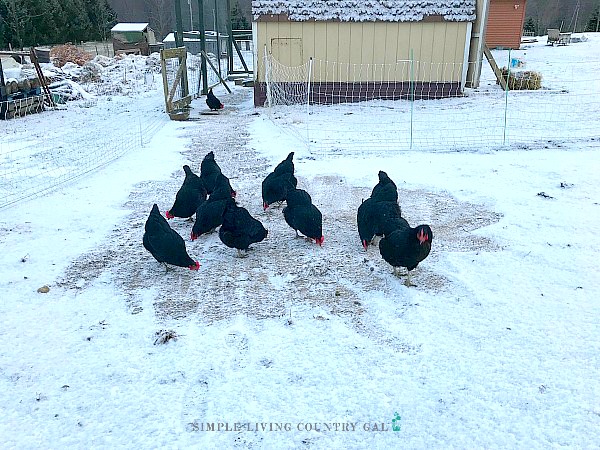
{"x":42,"y":27}
{"x":16,"y":20}
{"x":530,"y":26}
{"x":238,"y":21}
{"x":101,"y":16}
{"x":78,"y":27}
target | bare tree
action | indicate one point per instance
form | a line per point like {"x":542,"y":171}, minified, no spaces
{"x":161,"y":16}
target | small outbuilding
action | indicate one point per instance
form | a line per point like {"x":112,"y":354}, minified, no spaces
{"x":386,"y":49}
{"x":133,"y":38}
{"x":505,"y":21}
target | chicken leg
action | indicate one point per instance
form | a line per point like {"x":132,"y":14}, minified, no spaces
{"x":407,"y":282}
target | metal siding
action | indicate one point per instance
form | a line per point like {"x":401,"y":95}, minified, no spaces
{"x":391,"y":43}
{"x":505,"y":23}
{"x":308,"y":39}
{"x":347,"y":44}
{"x":403,"y":48}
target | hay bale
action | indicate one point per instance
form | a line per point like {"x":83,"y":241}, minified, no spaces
{"x":522,"y":80}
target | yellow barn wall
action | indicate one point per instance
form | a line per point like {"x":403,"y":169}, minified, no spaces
{"x":365,"y":51}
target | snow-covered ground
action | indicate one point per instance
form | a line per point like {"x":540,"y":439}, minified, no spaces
{"x":298,"y":346}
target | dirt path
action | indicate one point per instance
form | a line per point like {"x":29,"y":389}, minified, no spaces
{"x":282,"y":271}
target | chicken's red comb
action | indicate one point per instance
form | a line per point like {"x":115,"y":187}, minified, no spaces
{"x":195,"y":266}
{"x":265,"y":206}
{"x":193,"y":236}
{"x":169,"y":215}
{"x":320,"y":240}
{"x":422,"y":236}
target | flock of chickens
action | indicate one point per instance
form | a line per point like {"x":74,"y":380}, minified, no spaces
{"x":212,"y":199}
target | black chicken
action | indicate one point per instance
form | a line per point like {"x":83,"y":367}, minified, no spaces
{"x":222,"y":181}
{"x":278,"y":182}
{"x":285,"y":166}
{"x":164,"y":243}
{"x":239,"y":229}
{"x":211,"y":174}
{"x":406,"y":247}
{"x":209,"y":214}
{"x":213,"y":102}
{"x":275,"y":187}
{"x":376,"y":218}
{"x":303,"y":216}
{"x":385,"y":190}
{"x":190,"y":195}
{"x":209,"y":171}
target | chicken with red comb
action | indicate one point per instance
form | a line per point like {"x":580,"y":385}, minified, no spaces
{"x":379,"y":213}
{"x":276,"y":185}
{"x":190,"y":195}
{"x":303,"y":216}
{"x":213,"y":102}
{"x":406,"y":246}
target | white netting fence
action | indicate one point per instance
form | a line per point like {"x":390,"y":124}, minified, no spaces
{"x":339,"y":107}
{"x":29,"y":169}
{"x":32,"y":163}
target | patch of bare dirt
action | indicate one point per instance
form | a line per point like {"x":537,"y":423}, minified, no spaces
{"x":283,"y":271}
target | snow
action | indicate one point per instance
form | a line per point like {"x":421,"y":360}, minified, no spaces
{"x":366,"y":11}
{"x":131,"y":26}
{"x":298,"y":346}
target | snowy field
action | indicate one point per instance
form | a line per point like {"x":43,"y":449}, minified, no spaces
{"x":296,"y":346}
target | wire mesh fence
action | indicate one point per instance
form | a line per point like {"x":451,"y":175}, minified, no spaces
{"x":341,"y":107}
{"x":33,"y":164}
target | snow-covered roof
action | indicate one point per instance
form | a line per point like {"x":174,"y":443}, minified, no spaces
{"x":366,"y":10}
{"x":130,"y":26}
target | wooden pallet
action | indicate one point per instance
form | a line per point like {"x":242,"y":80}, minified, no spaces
{"x":21,"y":107}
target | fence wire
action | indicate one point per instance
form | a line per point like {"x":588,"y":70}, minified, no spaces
{"x":30,"y":168}
{"x":340,"y":107}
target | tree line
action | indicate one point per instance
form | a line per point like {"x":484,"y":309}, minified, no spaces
{"x":25,"y":23}
{"x":592,"y":24}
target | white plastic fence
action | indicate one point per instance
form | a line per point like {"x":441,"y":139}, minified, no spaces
{"x":418,"y":112}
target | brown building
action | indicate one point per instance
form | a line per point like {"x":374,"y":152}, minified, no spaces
{"x":387,"y":49}
{"x":505,"y":24}
{"x":133,"y":38}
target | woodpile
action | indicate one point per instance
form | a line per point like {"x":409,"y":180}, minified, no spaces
{"x":62,"y":54}
{"x":25,"y":85}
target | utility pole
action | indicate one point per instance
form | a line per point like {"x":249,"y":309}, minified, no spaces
{"x":229,"y":38}
{"x":179,"y":43}
{"x":216,"y":14}
{"x":178,"y":25}
{"x":202,"y":46}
